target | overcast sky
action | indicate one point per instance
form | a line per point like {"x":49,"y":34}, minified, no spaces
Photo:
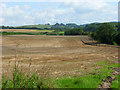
{"x":70,"y":11}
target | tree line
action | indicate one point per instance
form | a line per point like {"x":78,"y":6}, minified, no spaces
{"x":104,"y":33}
{"x":75,"y":31}
{"x":107,"y":33}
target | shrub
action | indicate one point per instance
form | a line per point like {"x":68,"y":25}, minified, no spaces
{"x":74,"y":31}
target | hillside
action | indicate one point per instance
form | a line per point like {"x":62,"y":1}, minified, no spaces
{"x":61,"y":27}
{"x":40,"y":26}
{"x":93,"y":26}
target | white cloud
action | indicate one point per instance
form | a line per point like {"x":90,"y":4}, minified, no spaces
{"x":61,"y":11}
{"x":50,"y":15}
{"x":14,"y":15}
{"x":55,"y":0}
{"x":87,"y":5}
{"x":26,"y":7}
{"x":78,"y":12}
{"x":95,"y":11}
{"x":1,"y":20}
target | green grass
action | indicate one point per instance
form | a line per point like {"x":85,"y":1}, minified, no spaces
{"x":113,"y":65}
{"x":114,"y":43}
{"x":16,"y":33}
{"x":116,"y":82}
{"x":61,"y":32}
{"x":37,"y":26}
{"x":107,"y":64}
{"x":86,"y":81}
{"x":22,"y":33}
{"x":49,"y":32}
{"x":20,"y":80}
{"x":107,"y":71}
{"x":101,"y":63}
{"x":105,"y":68}
{"x":90,"y":80}
{"x":44,"y":30}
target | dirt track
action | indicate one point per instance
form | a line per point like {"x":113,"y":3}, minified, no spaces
{"x":55,"y":55}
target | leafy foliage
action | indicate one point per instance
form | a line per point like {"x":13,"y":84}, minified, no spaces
{"x":74,"y":31}
{"x":106,"y":33}
{"x":117,"y":38}
{"x":93,"y":26}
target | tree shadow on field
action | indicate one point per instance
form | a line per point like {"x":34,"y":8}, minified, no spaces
{"x":91,"y":42}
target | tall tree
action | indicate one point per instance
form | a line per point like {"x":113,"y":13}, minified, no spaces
{"x":106,"y":33}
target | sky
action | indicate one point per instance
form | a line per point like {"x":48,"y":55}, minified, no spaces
{"x":31,"y":12}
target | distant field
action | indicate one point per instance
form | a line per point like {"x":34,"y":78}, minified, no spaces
{"x":37,"y":26}
{"x":44,"y":30}
{"x":85,"y":66}
{"x":30,"y":32}
{"x":26,"y":30}
{"x":56,"y":51}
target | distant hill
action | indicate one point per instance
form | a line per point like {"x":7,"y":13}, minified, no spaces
{"x":61,"y":27}
{"x":93,"y":26}
{"x":40,"y":26}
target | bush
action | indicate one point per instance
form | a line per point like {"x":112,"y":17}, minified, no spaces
{"x":74,"y":31}
{"x":105,"y":33}
{"x":117,"y":38}
{"x":52,"y":33}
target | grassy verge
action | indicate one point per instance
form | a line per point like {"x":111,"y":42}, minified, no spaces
{"x":90,"y":80}
{"x":87,"y":81}
{"x":116,"y":82}
{"x":20,"y":80}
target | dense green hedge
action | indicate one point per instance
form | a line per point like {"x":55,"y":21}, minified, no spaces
{"x":106,"y":33}
{"x":75,"y":31}
{"x":20,"y":33}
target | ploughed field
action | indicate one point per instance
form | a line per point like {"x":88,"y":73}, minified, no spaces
{"x":25,"y":30}
{"x":53,"y":55}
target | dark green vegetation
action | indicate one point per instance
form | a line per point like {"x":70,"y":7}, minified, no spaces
{"x":60,"y":27}
{"x":87,"y":81}
{"x":107,"y":33}
{"x":19,"y":33}
{"x":90,"y":80}
{"x":75,"y":31}
{"x":93,"y":26}
{"x":115,"y":82}
{"x":31,"y":33}
{"x":19,"y":80}
{"x":39,"y":27}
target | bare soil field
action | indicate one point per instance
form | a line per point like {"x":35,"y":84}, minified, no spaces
{"x":25,"y":30}
{"x":53,"y":55}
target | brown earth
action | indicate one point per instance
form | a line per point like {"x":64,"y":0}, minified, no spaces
{"x":53,"y":55}
{"x":24,"y":30}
